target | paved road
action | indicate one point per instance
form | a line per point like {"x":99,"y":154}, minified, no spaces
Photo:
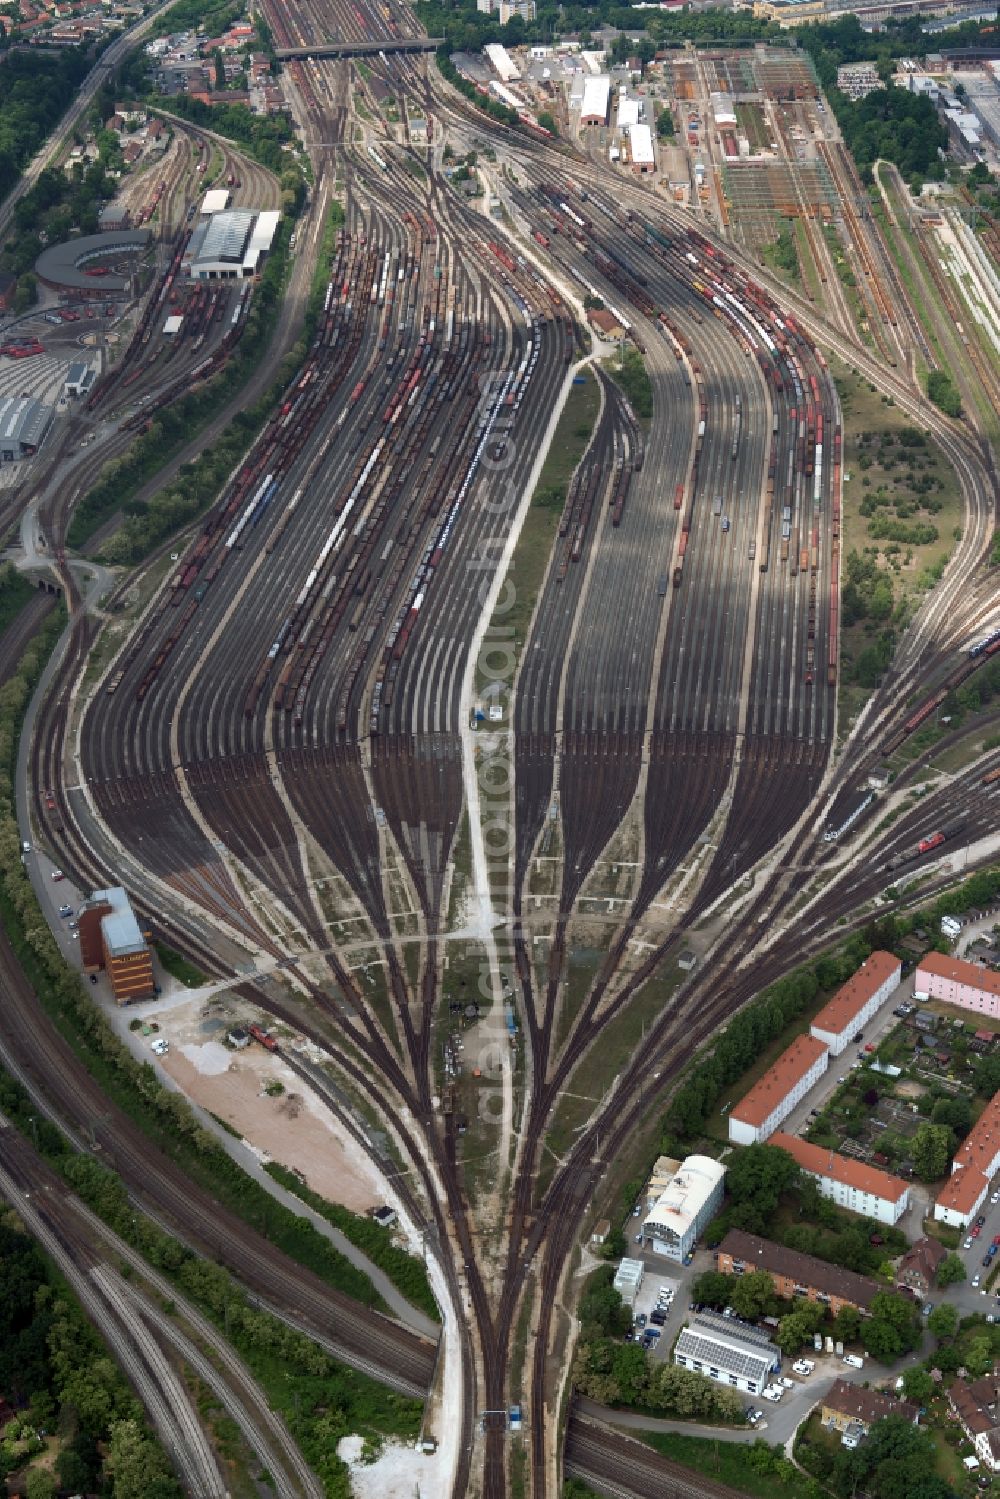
{"x":54,"y":144}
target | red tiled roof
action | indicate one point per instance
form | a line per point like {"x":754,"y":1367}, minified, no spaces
{"x":958,"y":971}
{"x":779,"y":1080}
{"x":850,"y":999}
{"x":819,"y":1161}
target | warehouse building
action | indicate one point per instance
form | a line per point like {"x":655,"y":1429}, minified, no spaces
{"x":230,"y":246}
{"x":23,"y":423}
{"x":773,"y":1098}
{"x":957,"y":982}
{"x":733,"y":1355}
{"x":596,"y":100}
{"x":856,"y":1002}
{"x":640,"y":145}
{"x":502,"y":63}
{"x":975,"y":1163}
{"x":795,"y":1274}
{"x":111,"y":938}
{"x":850,"y":1184}
{"x":216,"y":200}
{"x":80,"y":378}
{"x":689,"y":1201}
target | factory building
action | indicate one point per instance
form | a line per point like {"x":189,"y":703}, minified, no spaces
{"x":775,"y":1095}
{"x":850,"y":1184}
{"x":856,"y":1002}
{"x":690,"y":1199}
{"x":957,"y":982}
{"x":111,"y":938}
{"x":729,"y":1352}
{"x":23,"y":423}
{"x":975,"y":1163}
{"x":596,"y":100}
{"x":229,"y":246}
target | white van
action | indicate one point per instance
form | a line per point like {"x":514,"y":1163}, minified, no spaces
{"x":854,"y":1360}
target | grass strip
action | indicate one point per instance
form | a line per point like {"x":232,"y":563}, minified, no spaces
{"x":407,"y":1273}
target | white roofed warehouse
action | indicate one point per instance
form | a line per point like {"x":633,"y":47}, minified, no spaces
{"x":230,"y":246}
{"x":596,"y":100}
{"x":640,"y":145}
{"x":690,"y":1201}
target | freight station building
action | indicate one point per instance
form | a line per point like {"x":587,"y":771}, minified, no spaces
{"x":230,"y":246}
{"x":111,"y":938}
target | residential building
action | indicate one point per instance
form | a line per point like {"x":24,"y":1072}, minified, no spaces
{"x":858,"y":79}
{"x":918,"y":1268}
{"x":731,"y":1354}
{"x":846,"y":1405}
{"x":691,"y":1199}
{"x":111,"y":938}
{"x":975,"y":1163}
{"x":508,"y":9}
{"x":856,"y":1002}
{"x":957,"y":982}
{"x":795,"y":1274}
{"x":850,"y":1184}
{"x":976,"y":1404}
{"x":773,"y":1097}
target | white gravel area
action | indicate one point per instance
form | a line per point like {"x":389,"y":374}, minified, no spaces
{"x":401,"y":1472}
{"x":210,"y":1059}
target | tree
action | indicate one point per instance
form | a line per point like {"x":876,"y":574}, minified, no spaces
{"x":892,"y":1330}
{"x":40,"y":1484}
{"x":955,"y":1113}
{"x":756,"y":1180}
{"x":712,"y":1288}
{"x":917,"y":1385}
{"x":847,"y":1324}
{"x":931,"y":1148}
{"x":942,"y":1322}
{"x":752,"y":1295}
{"x":951,"y":1270}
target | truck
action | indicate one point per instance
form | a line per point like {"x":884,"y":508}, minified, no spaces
{"x":515,"y":1418}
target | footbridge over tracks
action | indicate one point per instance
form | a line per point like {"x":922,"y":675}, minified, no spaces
{"x":360,"y":49}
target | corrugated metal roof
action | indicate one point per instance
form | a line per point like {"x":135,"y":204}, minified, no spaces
{"x":226,"y":235}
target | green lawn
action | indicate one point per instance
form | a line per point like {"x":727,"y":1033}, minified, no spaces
{"x":730,"y":1463}
{"x":185,"y":972}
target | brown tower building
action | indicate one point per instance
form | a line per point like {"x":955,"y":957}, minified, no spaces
{"x":111,"y":938}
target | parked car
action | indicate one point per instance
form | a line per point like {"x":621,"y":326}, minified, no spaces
{"x":753,"y":1416}
{"x":65,"y":910}
{"x":58,"y":875}
{"x":981,"y":1221}
{"x":658,"y":1318}
{"x":967,"y":1244}
{"x":975,"y":1231}
{"x":161,"y":1046}
{"x":975,"y":1281}
{"x":803,"y":1366}
{"x":927,"y":1308}
{"x":786,"y":1383}
{"x":640,"y":1320}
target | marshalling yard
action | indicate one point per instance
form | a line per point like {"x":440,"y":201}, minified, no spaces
{"x":438,"y":775}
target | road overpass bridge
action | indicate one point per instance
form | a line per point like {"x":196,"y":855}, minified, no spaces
{"x":360,"y":49}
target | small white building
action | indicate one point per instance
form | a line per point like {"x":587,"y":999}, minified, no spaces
{"x":628,"y":1279}
{"x":628,"y":113}
{"x":216,"y":200}
{"x":775,"y":1095}
{"x":689,"y":1201}
{"x":856,"y":1002}
{"x":743,"y":1360}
